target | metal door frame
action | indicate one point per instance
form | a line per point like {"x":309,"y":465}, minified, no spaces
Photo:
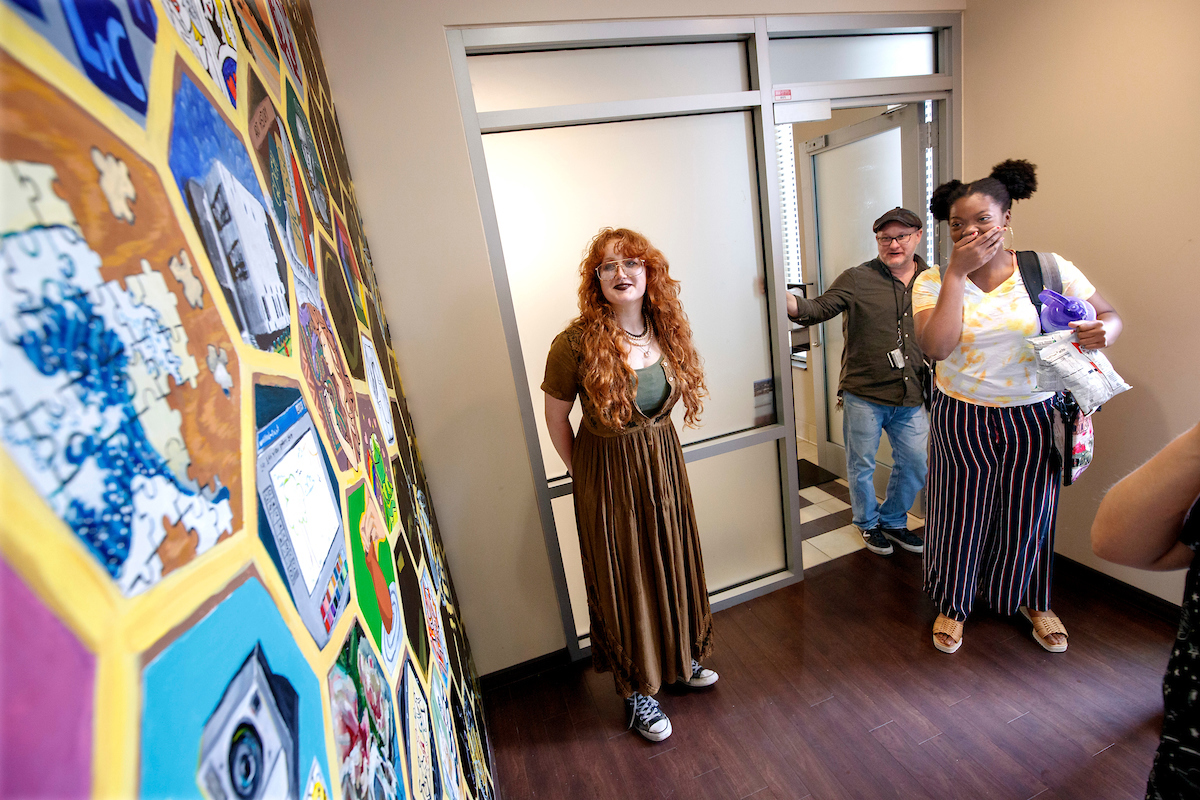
{"x":760,"y":100}
{"x":830,"y":455}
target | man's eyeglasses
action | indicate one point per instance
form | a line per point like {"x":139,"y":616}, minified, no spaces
{"x":630,"y":266}
{"x":886,"y":241}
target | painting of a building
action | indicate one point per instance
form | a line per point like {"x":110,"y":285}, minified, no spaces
{"x":243,"y":252}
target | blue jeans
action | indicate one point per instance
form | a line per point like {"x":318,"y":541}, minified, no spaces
{"x":908,"y":431}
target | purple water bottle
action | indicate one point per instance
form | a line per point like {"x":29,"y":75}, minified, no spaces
{"x":1058,"y":311}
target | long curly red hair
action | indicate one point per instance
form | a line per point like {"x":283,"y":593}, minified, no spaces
{"x":607,"y":379}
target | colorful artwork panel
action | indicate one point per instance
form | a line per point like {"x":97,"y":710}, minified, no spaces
{"x":300,"y":515}
{"x":320,"y":104}
{"x":341,"y":310}
{"x":287,"y":41}
{"x":310,"y":161}
{"x":447,"y":741}
{"x":208,"y":30}
{"x":253,"y":21}
{"x":328,"y":383}
{"x":433,"y":627}
{"x":378,"y":388}
{"x":350,"y":269}
{"x":420,"y":747}
{"x":112,"y":43}
{"x":249,"y":723}
{"x":47,"y":686}
{"x":218,"y":184}
{"x":117,"y":379}
{"x":410,"y":601}
{"x":374,"y":575}
{"x":379,"y":468}
{"x":381,"y":349}
{"x":289,"y":204}
{"x":433,"y":564}
{"x":364,"y":731}
{"x":471,"y":745}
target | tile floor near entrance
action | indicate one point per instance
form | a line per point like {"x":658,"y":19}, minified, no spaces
{"x":826,"y":522}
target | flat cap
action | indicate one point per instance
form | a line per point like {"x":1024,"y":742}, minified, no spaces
{"x":901,"y":215}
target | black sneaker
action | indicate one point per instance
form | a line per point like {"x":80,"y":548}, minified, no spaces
{"x":905,"y":538}
{"x":647,"y":718}
{"x":876,"y":542}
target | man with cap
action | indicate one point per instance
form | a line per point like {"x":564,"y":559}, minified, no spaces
{"x":883,"y":375}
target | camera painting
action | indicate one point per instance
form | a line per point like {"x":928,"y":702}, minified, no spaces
{"x":118,"y":382}
{"x":231,"y":704}
{"x":364,"y":730}
{"x":374,"y":575}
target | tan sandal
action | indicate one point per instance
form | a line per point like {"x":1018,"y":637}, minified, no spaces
{"x":1043,"y":628}
{"x":952,"y":629}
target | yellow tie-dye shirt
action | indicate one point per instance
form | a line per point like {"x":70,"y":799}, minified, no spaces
{"x":993,"y":365}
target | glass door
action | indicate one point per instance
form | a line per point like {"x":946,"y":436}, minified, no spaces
{"x":850,"y":177}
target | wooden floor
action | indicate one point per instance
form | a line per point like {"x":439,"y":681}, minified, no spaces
{"x":832,"y":689}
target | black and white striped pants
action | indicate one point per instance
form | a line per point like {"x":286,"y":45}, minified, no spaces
{"x":992,"y":496}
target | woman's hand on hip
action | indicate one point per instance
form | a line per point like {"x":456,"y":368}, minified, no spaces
{"x":974,"y":250}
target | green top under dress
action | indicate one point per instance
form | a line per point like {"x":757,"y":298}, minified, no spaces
{"x":652,"y":387}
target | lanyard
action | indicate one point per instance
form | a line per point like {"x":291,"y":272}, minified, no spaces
{"x":899,"y":311}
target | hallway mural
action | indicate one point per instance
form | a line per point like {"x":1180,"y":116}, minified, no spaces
{"x":213,"y":499}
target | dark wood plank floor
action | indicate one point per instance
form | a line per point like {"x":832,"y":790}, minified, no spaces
{"x":832,"y":689}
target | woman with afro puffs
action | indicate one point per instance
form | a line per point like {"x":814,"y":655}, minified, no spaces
{"x":993,"y":481}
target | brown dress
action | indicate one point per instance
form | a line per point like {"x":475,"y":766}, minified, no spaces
{"x":646,"y":594}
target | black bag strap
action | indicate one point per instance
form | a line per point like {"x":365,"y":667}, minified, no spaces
{"x":1039,"y":271}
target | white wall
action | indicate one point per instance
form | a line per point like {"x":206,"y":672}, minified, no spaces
{"x":1104,"y":96}
{"x":389,"y":71}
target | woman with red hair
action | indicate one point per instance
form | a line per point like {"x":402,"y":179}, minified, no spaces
{"x":629,"y":359}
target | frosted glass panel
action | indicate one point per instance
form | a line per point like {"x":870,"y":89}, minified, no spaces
{"x":740,"y":515}
{"x":594,"y":75}
{"x":839,"y":58}
{"x":688,"y":184}
{"x":738,"y":512}
{"x":568,"y":542}
{"x":855,"y":184}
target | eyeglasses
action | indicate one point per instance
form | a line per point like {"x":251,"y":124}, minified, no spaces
{"x":886,"y":241}
{"x":630,"y":266}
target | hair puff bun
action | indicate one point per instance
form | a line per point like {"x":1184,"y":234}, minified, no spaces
{"x":943,"y":197}
{"x":1018,"y":176}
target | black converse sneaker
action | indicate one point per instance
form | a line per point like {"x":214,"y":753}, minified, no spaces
{"x":905,"y":538}
{"x":700,"y":677}
{"x":876,"y":542}
{"x":647,"y":718}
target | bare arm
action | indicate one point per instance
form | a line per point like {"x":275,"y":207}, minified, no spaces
{"x":1104,"y":330}
{"x":939,"y":328}
{"x":558,"y":422}
{"x":1139,"y":520}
